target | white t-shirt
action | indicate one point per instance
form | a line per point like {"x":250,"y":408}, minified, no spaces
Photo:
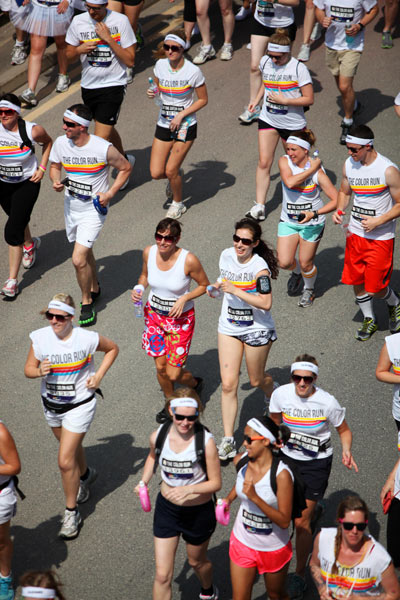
{"x":308,"y":420}
{"x":287,"y":79}
{"x":237,"y":317}
{"x":176,"y":89}
{"x":397,"y":100}
{"x":364,"y":578}
{"x":252,"y":527}
{"x":393,"y":349}
{"x":16,"y":164}
{"x":273,"y":14}
{"x":371,"y":196}
{"x":302,"y":198}
{"x":344,"y":12}
{"x":101,"y":68}
{"x":71,"y":363}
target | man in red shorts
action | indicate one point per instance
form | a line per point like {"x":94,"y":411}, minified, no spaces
{"x":368,"y":263}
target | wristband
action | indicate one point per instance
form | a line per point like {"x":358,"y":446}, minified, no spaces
{"x":361,"y":26}
{"x":42,"y":168}
{"x":316,"y":215}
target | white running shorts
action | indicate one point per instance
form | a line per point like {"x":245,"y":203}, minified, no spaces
{"x":8,"y":504}
{"x":77,"y":419}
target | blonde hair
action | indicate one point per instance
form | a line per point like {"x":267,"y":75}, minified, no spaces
{"x":43,"y":579}
{"x":185,"y":392}
{"x":280,"y":37}
{"x":307,"y":135}
{"x":61,"y":297}
{"x":306,"y":358}
{"x":159,"y":52}
{"x":350,"y":503}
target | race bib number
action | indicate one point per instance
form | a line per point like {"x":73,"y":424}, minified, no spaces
{"x":276,"y":109}
{"x":177,"y":469}
{"x":240,"y":316}
{"x":161,"y":305}
{"x":265,"y":9}
{"x":359,"y":212}
{"x":82,"y":191}
{"x":256,"y":523}
{"x":60,"y":392}
{"x":100,"y":56}
{"x":11,"y":174}
{"x":168,"y":111}
{"x":305,"y":443}
{"x":342,"y":14}
{"x":294,"y":210}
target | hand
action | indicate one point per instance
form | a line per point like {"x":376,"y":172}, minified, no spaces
{"x":87,"y":47}
{"x":249,"y":489}
{"x":37,"y":176}
{"x":104,"y":198}
{"x":338,"y":218}
{"x":315,"y":163}
{"x":326,"y":21}
{"x":150,"y":93}
{"x":58,"y":186}
{"x":136,"y":295}
{"x":137,"y":488}
{"x":103,"y":32}
{"x":177,"y":494}
{"x":369,"y":223}
{"x":228,"y":287}
{"x":251,"y":106}
{"x":388,"y":487}
{"x":353,"y":30}
{"x":45,"y":367}
{"x":309,"y":215}
{"x":216,"y":285}
{"x":348,"y":460}
{"x":278,"y":98}
{"x":177,"y":308}
{"x":62,"y":7}
{"x":25,"y":2}
{"x":176,"y":122}
{"x":93,"y":382}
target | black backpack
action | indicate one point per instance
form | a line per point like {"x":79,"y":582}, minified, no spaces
{"x":24,"y":136}
{"x":199,"y":431}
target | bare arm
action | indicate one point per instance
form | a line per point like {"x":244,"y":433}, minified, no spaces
{"x":383,"y":368}
{"x":194,"y":269}
{"x":148,"y":468}
{"x":281,"y":516}
{"x":55,"y":176}
{"x":346,"y":438}
{"x":389,"y":583}
{"x":291,"y":180}
{"x":124,"y":168}
{"x":306,"y":98}
{"x":111,"y":351}
{"x":126,"y":55}
{"x":322,"y":18}
{"x":34,"y":368}
{"x":315,"y":568}
{"x":276,"y":417}
{"x":343,"y":199}
{"x":40,"y":136}
{"x":263,"y":301}
{"x":9,"y":453}
{"x":256,"y":101}
{"x":201,"y":102}
{"x":74,"y":52}
{"x":389,"y":483}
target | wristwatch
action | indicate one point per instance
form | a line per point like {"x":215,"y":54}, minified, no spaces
{"x":316,"y":215}
{"x":361,"y":26}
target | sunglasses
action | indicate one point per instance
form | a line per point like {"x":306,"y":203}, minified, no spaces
{"x":59,"y":318}
{"x":245,"y":241}
{"x":170,"y":239}
{"x":249,"y":439}
{"x":4,"y":112}
{"x":70,"y":123}
{"x":274,"y":57}
{"x":168,"y":48}
{"x":190,"y":418}
{"x":353,"y":150}
{"x":348,"y":525}
{"x":307,"y":379}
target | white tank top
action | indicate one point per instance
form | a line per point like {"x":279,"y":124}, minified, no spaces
{"x":71,"y":363}
{"x":167,"y":286}
{"x":371,"y":196}
{"x":302,"y":198}
{"x":272,"y":14}
{"x":252,"y":527}
{"x":364,"y":578}
{"x":181,"y":468}
{"x":16,"y":163}
{"x":393,"y":349}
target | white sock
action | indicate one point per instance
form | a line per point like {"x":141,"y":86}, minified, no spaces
{"x":365,"y":304}
{"x":391,"y":298}
{"x":207,"y":47}
{"x":347,"y":121}
{"x":297,"y":268}
{"x":309,"y":278}
{"x":173,"y":203}
{"x":19,"y":44}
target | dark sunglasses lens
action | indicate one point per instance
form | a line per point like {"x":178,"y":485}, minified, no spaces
{"x":247,"y":439}
{"x":172,"y":48}
{"x":69,"y":123}
{"x":353,"y":150}
{"x":166,"y":238}
{"x":298,"y":378}
{"x":190,"y":418}
{"x":50,"y":316}
{"x":349,"y":526}
{"x":6,"y":113}
{"x":245,"y":241}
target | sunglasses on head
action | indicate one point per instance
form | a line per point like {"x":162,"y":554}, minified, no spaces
{"x":6,"y":112}
{"x":348,"y":525}
{"x":166,"y":238}
{"x":167,"y":47}
{"x":245,"y":241}
{"x":248,"y":439}
{"x":190,"y":418}
{"x":60,"y":318}
{"x":70,"y":123}
{"x":306,"y":378}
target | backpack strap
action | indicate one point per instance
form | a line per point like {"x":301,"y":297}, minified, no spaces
{"x":243,"y":461}
{"x":199,"y":434}
{"x":26,"y":141}
{"x":160,"y":441}
{"x":274,"y":467}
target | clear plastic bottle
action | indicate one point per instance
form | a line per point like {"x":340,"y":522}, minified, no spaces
{"x":344,"y":224}
{"x":138,"y":306}
{"x":349,"y":38}
{"x":144,"y":496}
{"x":214,"y":291}
{"x":154,"y":88}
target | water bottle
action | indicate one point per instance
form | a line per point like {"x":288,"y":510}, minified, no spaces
{"x":138,"y":306}
{"x":214,"y":291}
{"x":315,"y":154}
{"x":344,"y":224}
{"x":222,"y":512}
{"x":154,"y":88}
{"x":349,"y":38}
{"x":144,"y":497}
{"x":102,"y":210}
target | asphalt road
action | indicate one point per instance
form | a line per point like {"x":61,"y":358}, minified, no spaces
{"x":113,"y":555}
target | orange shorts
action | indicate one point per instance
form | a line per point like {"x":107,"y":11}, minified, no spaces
{"x":266,"y":562}
{"x":368,"y":262}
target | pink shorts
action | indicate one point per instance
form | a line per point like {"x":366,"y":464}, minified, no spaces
{"x":266,"y":562}
{"x":168,"y":336}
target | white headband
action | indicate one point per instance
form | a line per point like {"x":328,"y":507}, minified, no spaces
{"x":292,"y":139}
{"x":7,"y":104}
{"x":261,"y":429}
{"x":277,"y":47}
{"x":98,"y":1}
{"x":174,"y":38}
{"x":61,"y":306}
{"x":38,"y":592}
{"x":189,"y":402}
{"x":74,"y":117}
{"x":304,"y":366}
{"x":351,"y":139}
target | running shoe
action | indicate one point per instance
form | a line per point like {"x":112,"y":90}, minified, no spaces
{"x":247,"y":116}
{"x":10,"y":288}
{"x":87,"y":316}
{"x":226,"y":52}
{"x":366,"y":330}
{"x":204,"y":54}
{"x":242,"y":13}
{"x":227,"y":448}
{"x":394,"y":318}
{"x":176,"y":210}
{"x":132,"y":161}
{"x":304,"y":53}
{"x":257,"y":212}
{"x":129,"y":75}
{"x":248,"y":47}
{"x":95,"y":295}
{"x":316,"y":32}
{"x":214,"y":595}
{"x":63,"y":83}
{"x":71,"y":525}
{"x":19,"y":55}
{"x":307,"y":298}
{"x":187,"y":45}
{"x":387,"y":40}
{"x":294,"y":283}
{"x":28,"y":96}
{"x":29,"y":254}
{"x":162,"y":416}
{"x":84,"y":486}
{"x":7,"y":589}
{"x":345,"y":132}
{"x":296,"y":586}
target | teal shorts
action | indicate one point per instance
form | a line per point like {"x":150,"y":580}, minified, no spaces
{"x":309,"y":233}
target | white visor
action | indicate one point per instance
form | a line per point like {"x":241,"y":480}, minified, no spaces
{"x":292,"y":139}
{"x":38,"y":592}
{"x":76,"y":118}
{"x":277,"y":48}
{"x":61,"y":306}
{"x":7,"y":104}
{"x":170,"y":37}
{"x":304,"y":366}
{"x":261,"y":429}
{"x":351,"y":139}
{"x":188,"y":402}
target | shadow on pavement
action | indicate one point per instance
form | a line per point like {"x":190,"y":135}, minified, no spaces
{"x":205,"y":180}
{"x":117,"y":274}
{"x":329,"y":262}
{"x":373,"y":102}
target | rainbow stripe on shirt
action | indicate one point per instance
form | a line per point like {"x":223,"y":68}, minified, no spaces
{"x":176,"y":92}
{"x":115,"y":36}
{"x":280,"y":86}
{"x":246,"y":286}
{"x":73,"y":368}
{"x":369,"y":190}
{"x":14,"y":151}
{"x":359,"y":586}
{"x":302,"y":422}
{"x":82,"y":170}
{"x":306,"y":190}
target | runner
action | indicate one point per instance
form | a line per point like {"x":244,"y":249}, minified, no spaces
{"x":390,"y":14}
{"x":132,"y":9}
{"x":308,"y":411}
{"x":392,"y":489}
{"x":41,"y":584}
{"x":207,"y":50}
{"x":184,"y":504}
{"x":176,"y":80}
{"x":344,"y":42}
{"x":104,"y":42}
{"x":302,"y":220}
{"x":85,"y":159}
{"x":388,"y":371}
{"x":312,"y":31}
{"x":397,"y":104}
{"x":169,"y":312}
{"x":287,"y":89}
{"x":260,"y":538}
{"x":245,"y":325}
{"x":20,"y":177}
{"x":347,"y":562}
{"x":62,"y":356}
{"x":368,"y":261}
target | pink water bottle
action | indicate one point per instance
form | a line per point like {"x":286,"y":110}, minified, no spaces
{"x":222,"y":512}
{"x":144,"y":497}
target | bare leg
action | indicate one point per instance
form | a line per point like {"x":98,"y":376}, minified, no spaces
{"x":203,"y":21}
{"x":242,"y":581}
{"x":61,"y":54}
{"x":309,"y":20}
{"x":200,"y":563}
{"x":165,"y":383}
{"x":38,"y":46}
{"x":71,"y":460}
{"x":92,"y":264}
{"x":14,"y":259}
{"x":258,"y":46}
{"x":165,"y":550}
{"x":83,"y":269}
{"x":275,"y":584}
{"x":267,"y":142}
{"x":228,"y":19}
{"x":108,"y":132}
{"x":391,"y":9}
{"x":159,"y":155}
{"x":304,"y":537}
{"x":6,"y":549}
{"x":177,"y":156}
{"x":256,"y":359}
{"x":230,"y":353}
{"x":345,"y":86}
